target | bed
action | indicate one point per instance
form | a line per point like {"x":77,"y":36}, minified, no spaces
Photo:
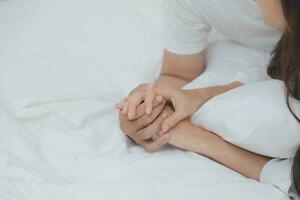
{"x":63,"y":65}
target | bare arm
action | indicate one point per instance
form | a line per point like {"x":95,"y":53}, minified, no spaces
{"x":179,"y":70}
{"x":189,"y":137}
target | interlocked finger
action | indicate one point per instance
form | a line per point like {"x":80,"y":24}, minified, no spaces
{"x":135,"y":100}
{"x":146,"y":120}
{"x":141,"y":109}
{"x":153,"y":129}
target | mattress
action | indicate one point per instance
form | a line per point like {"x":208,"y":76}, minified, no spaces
{"x":63,"y":65}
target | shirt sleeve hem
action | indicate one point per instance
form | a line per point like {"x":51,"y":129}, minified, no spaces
{"x":185,"y":50}
{"x":277,"y":173}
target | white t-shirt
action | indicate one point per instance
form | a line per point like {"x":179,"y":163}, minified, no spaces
{"x":188,"y":23}
{"x":278,"y":172}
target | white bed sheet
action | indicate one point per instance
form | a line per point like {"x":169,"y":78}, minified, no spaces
{"x":63,"y":63}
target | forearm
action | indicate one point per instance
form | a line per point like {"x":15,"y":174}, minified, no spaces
{"x":210,"y":92}
{"x":173,"y":81}
{"x":192,"y":138}
{"x":178,"y":70}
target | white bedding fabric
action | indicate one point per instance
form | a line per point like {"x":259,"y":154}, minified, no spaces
{"x":63,"y":63}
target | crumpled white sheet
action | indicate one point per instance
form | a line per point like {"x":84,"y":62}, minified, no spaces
{"x":78,"y":152}
{"x":63,"y":64}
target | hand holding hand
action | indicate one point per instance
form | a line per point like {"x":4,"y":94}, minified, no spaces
{"x":142,"y":94}
{"x":145,"y":128}
{"x":185,"y":103}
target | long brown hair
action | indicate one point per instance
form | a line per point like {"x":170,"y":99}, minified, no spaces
{"x":285,"y":65}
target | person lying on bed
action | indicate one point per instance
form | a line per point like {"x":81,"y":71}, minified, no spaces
{"x":187,"y":24}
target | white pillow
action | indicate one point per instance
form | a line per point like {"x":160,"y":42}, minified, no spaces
{"x":254,"y":117}
{"x":228,"y":61}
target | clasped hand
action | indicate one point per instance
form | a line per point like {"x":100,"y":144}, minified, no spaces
{"x":145,"y":117}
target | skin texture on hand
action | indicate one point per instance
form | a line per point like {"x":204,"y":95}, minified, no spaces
{"x":143,"y":129}
{"x":121,"y":105}
{"x":142,"y":126}
{"x":184,"y":102}
{"x":177,"y":70}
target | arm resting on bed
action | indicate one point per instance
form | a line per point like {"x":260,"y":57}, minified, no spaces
{"x":189,"y":137}
{"x":178,"y":70}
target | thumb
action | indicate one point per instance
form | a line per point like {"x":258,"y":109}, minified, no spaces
{"x":172,"y":121}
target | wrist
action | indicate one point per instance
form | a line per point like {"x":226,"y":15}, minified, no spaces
{"x":197,"y":139}
{"x":173,"y":81}
{"x":207,"y":142}
{"x":189,"y":137}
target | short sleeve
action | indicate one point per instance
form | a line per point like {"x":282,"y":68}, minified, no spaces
{"x":185,"y":31}
{"x":277,"y":172}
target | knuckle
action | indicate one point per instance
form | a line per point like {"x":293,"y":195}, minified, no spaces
{"x":126,"y":132}
{"x":122,"y":118}
{"x":130,"y":99}
{"x":132,"y":92}
{"x":137,"y":93}
{"x":142,"y":87}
